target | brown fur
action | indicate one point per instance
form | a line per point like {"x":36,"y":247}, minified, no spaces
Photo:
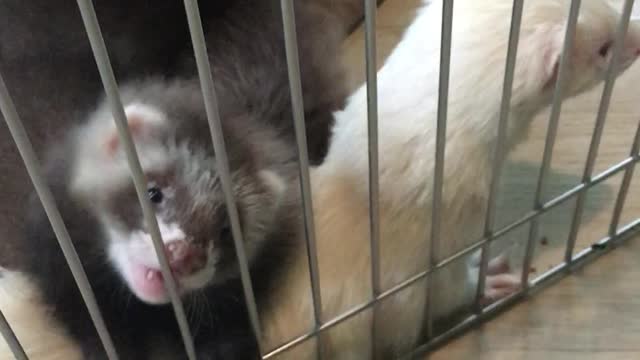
{"x":247,"y":57}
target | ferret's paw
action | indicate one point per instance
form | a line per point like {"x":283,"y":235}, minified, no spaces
{"x":499,"y":265}
{"x":501,"y":281}
{"x":499,"y":286}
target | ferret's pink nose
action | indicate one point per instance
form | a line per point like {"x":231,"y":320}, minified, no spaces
{"x":184,"y":257}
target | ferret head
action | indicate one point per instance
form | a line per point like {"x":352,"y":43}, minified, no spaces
{"x":481,"y":29}
{"x":184,"y":189}
{"x":543,"y":33}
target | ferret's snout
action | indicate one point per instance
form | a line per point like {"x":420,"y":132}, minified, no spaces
{"x":184,"y":257}
{"x":633,"y":39}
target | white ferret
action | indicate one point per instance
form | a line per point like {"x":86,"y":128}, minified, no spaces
{"x":408,"y":94}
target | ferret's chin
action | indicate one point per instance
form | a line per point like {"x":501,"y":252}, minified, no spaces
{"x":198,"y":280}
{"x":147,"y":284}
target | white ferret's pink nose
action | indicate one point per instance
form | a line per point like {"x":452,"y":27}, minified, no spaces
{"x":632,"y":41}
{"x":631,"y":49}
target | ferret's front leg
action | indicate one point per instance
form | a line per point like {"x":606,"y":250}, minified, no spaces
{"x":500,"y":281}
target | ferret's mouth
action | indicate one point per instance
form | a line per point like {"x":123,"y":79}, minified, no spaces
{"x":192,"y":265}
{"x":143,"y":275}
{"x":148,"y":283}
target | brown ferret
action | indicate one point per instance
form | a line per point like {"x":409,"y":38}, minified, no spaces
{"x":90,"y":179}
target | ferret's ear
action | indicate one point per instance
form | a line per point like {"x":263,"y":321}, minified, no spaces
{"x":276,"y":184}
{"x":145,"y":122}
{"x":539,"y":52}
{"x":551,"y":44}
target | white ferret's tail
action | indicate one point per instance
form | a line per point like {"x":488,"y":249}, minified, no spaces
{"x":31,"y":321}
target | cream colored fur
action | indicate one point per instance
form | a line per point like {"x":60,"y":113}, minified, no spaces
{"x":408,"y":94}
{"x":41,"y":338}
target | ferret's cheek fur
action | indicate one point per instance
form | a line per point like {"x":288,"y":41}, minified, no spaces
{"x":276,"y":184}
{"x":132,"y":255}
{"x":118,"y":251}
{"x":123,"y":248}
{"x":203,"y":277}
{"x":138,"y":245}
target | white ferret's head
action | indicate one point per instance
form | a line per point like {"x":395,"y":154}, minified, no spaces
{"x":544,"y":29}
{"x":185,"y":190}
{"x":481,"y":29}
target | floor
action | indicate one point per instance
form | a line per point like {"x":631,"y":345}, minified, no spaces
{"x":589,"y":314}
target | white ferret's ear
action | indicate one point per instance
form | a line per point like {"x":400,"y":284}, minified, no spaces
{"x":276,"y":184}
{"x":550,"y":42}
{"x":145,"y":123}
{"x":540,"y":52}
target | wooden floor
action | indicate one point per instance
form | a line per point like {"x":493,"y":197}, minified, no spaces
{"x":592,"y":314}
{"x":589,"y":315}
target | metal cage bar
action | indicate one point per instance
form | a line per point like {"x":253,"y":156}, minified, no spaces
{"x":107,"y":76}
{"x":297,"y":103}
{"x":624,"y":186}
{"x":19,"y":134}
{"x":374,"y":183}
{"x":546,"y":278}
{"x":441,"y":133}
{"x":552,"y":131}
{"x":222,"y":161}
{"x":499,"y":153}
{"x":490,"y":234}
{"x":603,"y":109}
{"x":549,"y":205}
{"x":11,"y":339}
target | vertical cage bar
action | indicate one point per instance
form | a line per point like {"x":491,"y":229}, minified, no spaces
{"x":11,"y":339}
{"x":222,"y":161}
{"x":499,"y":152}
{"x":441,"y":133}
{"x":8,"y":109}
{"x":624,"y":187}
{"x":552,"y":131}
{"x":111,"y":89}
{"x":295,"y":84}
{"x":603,"y":109}
{"x":374,"y":188}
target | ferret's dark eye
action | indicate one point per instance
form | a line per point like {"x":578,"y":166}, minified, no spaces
{"x":225,"y":233}
{"x":155,"y":195}
{"x":604,"y":50}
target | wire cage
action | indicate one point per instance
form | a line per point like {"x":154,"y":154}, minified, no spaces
{"x":531,"y":220}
